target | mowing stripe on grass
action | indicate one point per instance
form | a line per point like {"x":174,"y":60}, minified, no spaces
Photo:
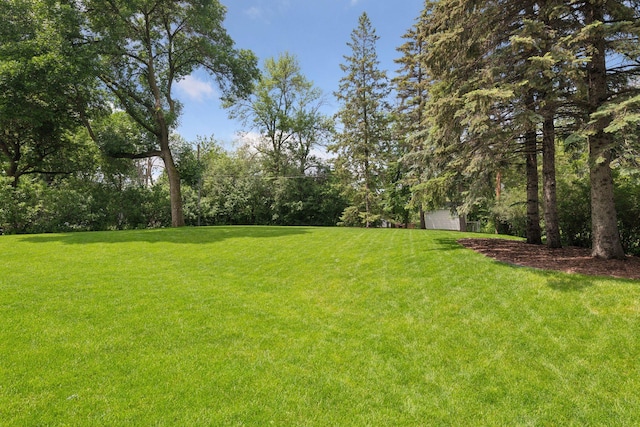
{"x":305,"y":326}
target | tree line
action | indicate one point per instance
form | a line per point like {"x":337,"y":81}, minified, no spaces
{"x":507,"y":79}
{"x":520,"y":115}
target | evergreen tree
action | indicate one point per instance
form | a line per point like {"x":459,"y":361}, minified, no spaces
{"x":364,"y":135}
{"x":468,"y":116}
{"x":411,"y":86}
{"x":525,"y":77}
{"x":606,"y":28}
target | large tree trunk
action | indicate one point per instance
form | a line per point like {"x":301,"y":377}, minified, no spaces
{"x":605,"y":236}
{"x":175,"y":194}
{"x":552,"y":227}
{"x":534,"y":233}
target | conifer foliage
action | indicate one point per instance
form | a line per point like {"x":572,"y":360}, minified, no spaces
{"x":362,"y":141}
{"x":507,"y":80}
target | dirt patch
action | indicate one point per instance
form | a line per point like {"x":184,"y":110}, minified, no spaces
{"x":568,"y":260}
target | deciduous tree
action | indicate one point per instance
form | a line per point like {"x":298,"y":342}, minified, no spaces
{"x":45,"y":76}
{"x":146,"y":46}
{"x":285,"y":110}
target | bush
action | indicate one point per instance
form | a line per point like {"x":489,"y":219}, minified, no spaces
{"x":627,"y":197}
{"x":74,"y":204}
{"x":574,"y":213}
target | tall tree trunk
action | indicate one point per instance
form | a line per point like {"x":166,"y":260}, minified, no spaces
{"x":423,"y":219}
{"x":605,"y":235}
{"x":13,"y":173}
{"x":534,"y":233}
{"x":175,"y":193}
{"x":552,"y":227}
{"x":14,"y":154}
{"x":367,"y":190}
{"x":498,"y":196}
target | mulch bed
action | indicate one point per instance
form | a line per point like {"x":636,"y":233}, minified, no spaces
{"x":568,"y":259}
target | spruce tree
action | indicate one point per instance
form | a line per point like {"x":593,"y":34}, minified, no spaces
{"x":522,"y":67}
{"x":361,"y":142}
{"x":604,"y":31}
{"x":411,"y":85}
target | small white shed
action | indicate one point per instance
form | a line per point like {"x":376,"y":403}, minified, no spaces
{"x":444,"y":219}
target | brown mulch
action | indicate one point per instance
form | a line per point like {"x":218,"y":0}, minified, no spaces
{"x":568,"y":260}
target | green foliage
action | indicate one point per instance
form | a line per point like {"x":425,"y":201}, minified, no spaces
{"x":236,"y":190}
{"x":575,"y":212}
{"x":285,"y":110}
{"x":80,"y":204}
{"x":145,"y":47}
{"x":45,"y":85}
{"x":627,"y":198}
{"x":362,"y":141}
{"x":289,"y":183}
{"x":575,"y":215}
{"x":351,"y":217}
{"x":501,"y":77}
{"x":510,"y":213}
{"x":118,"y":133}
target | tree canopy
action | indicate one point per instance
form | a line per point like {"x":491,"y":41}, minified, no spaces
{"x":146,"y":47}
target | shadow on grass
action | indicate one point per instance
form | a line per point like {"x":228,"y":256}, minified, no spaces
{"x":447,"y":244}
{"x":565,"y":282}
{"x":184,"y":235}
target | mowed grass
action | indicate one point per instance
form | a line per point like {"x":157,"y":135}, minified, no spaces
{"x":257,"y":326}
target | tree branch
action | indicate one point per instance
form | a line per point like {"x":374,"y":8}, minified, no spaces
{"x":143,"y":155}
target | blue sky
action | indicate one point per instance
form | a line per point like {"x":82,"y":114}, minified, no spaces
{"x":315,"y":31}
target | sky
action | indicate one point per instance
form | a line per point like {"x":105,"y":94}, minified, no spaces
{"x":315,"y":31}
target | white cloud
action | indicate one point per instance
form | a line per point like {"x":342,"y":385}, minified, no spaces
{"x":248,"y":140}
{"x":267,"y":10}
{"x":196,"y":89}
{"x":254,"y":12}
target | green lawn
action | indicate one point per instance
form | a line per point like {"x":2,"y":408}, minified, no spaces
{"x":258,"y":326}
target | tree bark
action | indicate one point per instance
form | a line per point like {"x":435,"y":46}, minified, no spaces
{"x":175,"y":193}
{"x":498,"y":195}
{"x":606,"y":241}
{"x":552,"y":228}
{"x":423,"y":219}
{"x":534,"y":233}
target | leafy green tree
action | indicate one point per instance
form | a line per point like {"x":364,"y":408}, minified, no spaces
{"x":45,"y":80}
{"x":285,"y":111}
{"x":362,"y":141}
{"x":146,"y":47}
{"x":234,"y":190}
